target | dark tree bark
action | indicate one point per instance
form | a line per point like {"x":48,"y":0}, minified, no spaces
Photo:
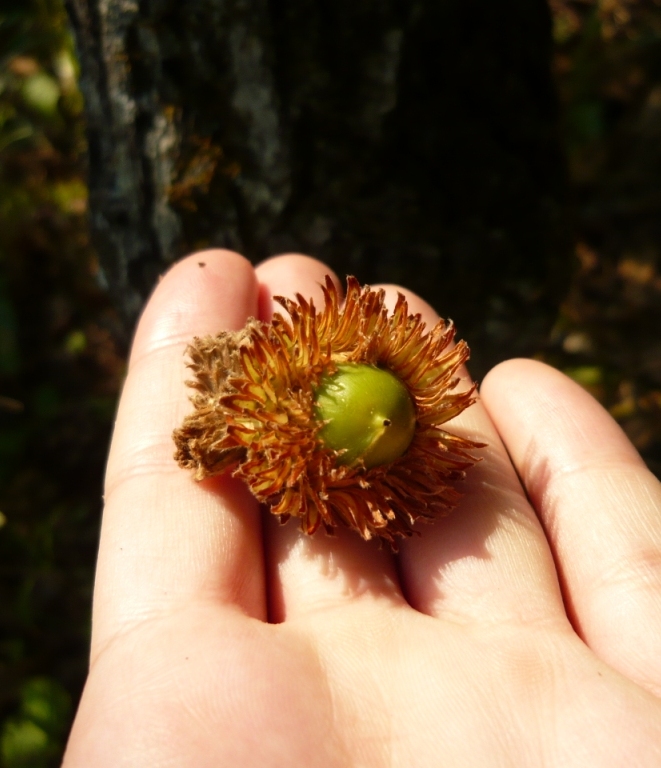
{"x":409,"y":142}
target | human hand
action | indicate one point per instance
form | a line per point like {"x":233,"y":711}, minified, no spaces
{"x":523,"y":629}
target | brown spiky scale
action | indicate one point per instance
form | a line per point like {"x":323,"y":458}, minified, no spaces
{"x":254,"y":413}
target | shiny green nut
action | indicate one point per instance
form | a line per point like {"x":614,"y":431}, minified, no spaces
{"x":370,"y":414}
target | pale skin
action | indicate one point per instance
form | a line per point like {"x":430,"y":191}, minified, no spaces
{"x":522,"y":630}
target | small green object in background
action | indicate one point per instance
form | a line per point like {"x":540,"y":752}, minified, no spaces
{"x":24,"y":744}
{"x":41,"y":92}
{"x":75,"y":343}
{"x":34,"y":736}
{"x":586,"y":375}
{"x":46,"y":703}
{"x":370,"y":414}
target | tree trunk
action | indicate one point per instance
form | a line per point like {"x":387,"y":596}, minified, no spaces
{"x":409,"y":142}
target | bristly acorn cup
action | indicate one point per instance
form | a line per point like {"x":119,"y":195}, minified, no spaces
{"x":333,"y":416}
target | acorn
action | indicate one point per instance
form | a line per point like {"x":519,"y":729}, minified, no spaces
{"x":367,"y":412}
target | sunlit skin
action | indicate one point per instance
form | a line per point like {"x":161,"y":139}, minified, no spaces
{"x":524,"y":629}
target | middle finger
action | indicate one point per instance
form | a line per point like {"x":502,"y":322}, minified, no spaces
{"x":312,"y":574}
{"x":489,"y":559}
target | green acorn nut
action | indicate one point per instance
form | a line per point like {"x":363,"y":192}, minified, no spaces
{"x":370,"y":414}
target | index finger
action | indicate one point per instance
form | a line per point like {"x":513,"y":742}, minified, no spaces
{"x":167,"y":540}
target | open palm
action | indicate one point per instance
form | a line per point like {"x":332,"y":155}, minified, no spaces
{"x":522,"y":630}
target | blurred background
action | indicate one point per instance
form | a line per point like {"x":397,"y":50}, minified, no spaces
{"x":530,"y":212}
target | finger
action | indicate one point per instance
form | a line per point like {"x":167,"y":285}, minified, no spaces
{"x":488,"y":560}
{"x":308,"y":575}
{"x":167,"y":540}
{"x":600,"y":506}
